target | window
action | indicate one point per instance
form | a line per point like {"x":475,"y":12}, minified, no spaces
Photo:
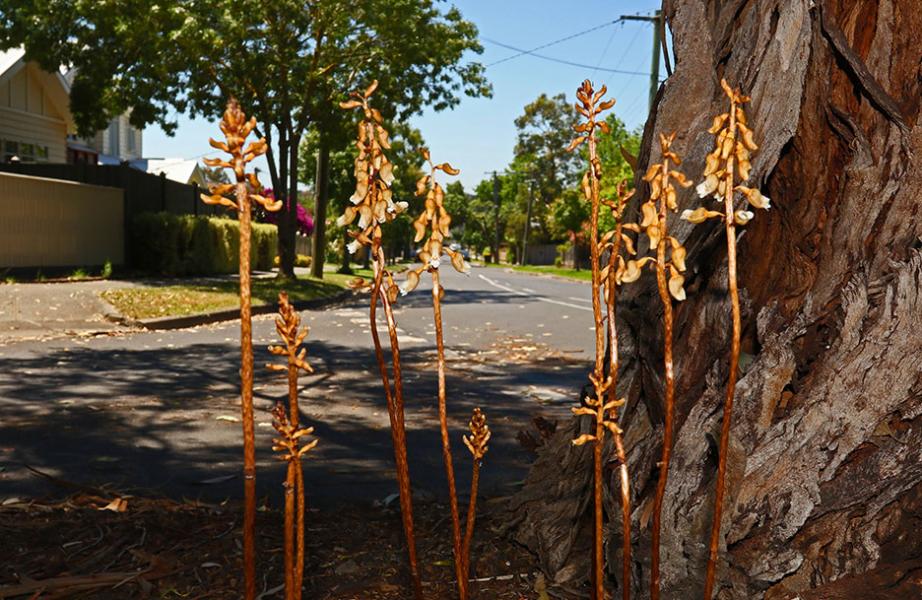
{"x":10,"y":149}
{"x":23,"y":151}
{"x":114,"y":149}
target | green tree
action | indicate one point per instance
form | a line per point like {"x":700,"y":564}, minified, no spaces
{"x":288,"y":62}
{"x":544,"y":131}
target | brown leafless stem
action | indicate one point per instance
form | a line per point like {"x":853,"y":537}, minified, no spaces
{"x":290,"y":444}
{"x":395,"y":411}
{"x":598,"y":561}
{"x":446,"y":442}
{"x":613,"y":396}
{"x":477,"y":444}
{"x":246,"y":396}
{"x":669,"y":392}
{"x":471,"y":516}
{"x":603,"y":396}
{"x":734,"y":366}
{"x":299,"y":550}
{"x":236,"y":129}
{"x":290,"y":532}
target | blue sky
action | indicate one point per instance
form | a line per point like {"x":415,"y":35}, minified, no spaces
{"x":479,"y":135}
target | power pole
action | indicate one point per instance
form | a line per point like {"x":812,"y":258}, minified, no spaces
{"x":658,"y":26}
{"x":531,"y":194}
{"x":496,"y":238}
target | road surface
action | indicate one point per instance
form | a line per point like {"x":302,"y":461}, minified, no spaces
{"x":157,"y":412}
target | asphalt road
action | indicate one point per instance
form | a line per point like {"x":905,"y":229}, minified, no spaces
{"x":158,"y":411}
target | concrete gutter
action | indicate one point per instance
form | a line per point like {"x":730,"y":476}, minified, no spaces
{"x":234,"y":313}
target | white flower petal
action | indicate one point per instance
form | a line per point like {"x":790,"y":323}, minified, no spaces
{"x":702,"y":189}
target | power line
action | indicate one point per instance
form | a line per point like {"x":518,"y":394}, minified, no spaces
{"x":562,"y":61}
{"x":627,"y":84}
{"x":605,"y":50}
{"x":547,"y":45}
{"x":627,"y":50}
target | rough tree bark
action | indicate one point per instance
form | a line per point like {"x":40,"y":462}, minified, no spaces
{"x":825,"y":463}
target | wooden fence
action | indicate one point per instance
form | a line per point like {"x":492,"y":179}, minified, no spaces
{"x":144,"y":192}
{"x":55,"y":223}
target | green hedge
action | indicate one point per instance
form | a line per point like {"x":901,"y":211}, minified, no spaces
{"x":168,"y":244}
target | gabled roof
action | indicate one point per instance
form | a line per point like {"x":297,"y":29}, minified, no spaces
{"x":13,"y":60}
{"x":10,"y":58}
{"x":176,"y":169}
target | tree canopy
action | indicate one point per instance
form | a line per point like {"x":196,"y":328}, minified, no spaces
{"x":288,"y":62}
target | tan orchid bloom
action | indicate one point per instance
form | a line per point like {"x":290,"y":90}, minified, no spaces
{"x":372,"y":201}
{"x":435,"y":220}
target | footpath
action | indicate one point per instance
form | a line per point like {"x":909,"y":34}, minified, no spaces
{"x":30,"y":311}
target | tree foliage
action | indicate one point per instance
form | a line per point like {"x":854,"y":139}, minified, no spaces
{"x":542,"y":166}
{"x":287,"y":61}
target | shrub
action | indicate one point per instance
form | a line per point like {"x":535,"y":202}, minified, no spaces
{"x":168,"y":244}
{"x":301,"y":260}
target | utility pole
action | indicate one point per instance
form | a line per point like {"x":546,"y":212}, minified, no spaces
{"x":658,"y":26}
{"x":531,"y":194}
{"x":496,"y":238}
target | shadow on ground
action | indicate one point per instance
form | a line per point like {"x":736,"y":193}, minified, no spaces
{"x":163,"y":420}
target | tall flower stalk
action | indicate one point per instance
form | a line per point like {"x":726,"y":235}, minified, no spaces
{"x":610,"y":283}
{"x":236,"y":129}
{"x":287,"y":324}
{"x":436,"y":220}
{"x":726,"y":165}
{"x":477,"y":445}
{"x":373,"y":205}
{"x":603,"y":403}
{"x":662,"y":199}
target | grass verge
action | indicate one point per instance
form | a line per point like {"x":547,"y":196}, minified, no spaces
{"x":191,"y":298}
{"x":580,"y":275}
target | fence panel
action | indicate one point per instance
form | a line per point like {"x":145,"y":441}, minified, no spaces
{"x":56,"y":223}
{"x":144,"y":192}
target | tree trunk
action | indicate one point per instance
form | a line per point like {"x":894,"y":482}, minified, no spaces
{"x":288,"y":213}
{"x":825,"y":462}
{"x":321,"y":200}
{"x":346,"y":266}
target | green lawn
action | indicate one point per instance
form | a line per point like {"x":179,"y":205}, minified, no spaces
{"x":188,"y":299}
{"x":581,"y":275}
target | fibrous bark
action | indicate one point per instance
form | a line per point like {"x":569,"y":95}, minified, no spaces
{"x":824,"y":478}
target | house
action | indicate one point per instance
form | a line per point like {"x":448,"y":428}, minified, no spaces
{"x":35,"y":113}
{"x":175,"y":169}
{"x":120,"y":141}
{"x":36,"y":124}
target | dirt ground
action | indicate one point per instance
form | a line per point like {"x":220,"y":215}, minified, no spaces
{"x":157,"y":548}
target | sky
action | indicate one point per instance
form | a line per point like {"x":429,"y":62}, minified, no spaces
{"x":479,"y":135}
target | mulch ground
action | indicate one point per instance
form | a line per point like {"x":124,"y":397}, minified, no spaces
{"x":100,"y":545}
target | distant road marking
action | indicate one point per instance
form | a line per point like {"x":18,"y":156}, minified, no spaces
{"x":529,"y":290}
{"x":586,"y":300}
{"x":521,"y":293}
